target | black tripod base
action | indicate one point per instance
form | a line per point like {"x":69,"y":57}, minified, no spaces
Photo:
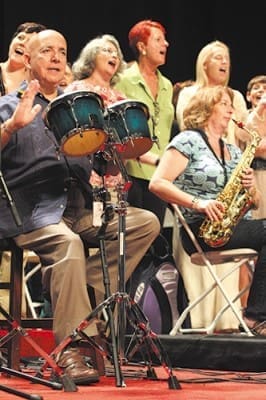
{"x":143,"y":341}
{"x":173,"y":383}
{"x":147,"y":344}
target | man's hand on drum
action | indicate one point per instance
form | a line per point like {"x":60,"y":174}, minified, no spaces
{"x":25,"y":111}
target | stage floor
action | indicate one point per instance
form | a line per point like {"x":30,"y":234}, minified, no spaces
{"x":204,"y":357}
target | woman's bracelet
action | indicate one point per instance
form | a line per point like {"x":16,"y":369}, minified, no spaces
{"x":194,"y":202}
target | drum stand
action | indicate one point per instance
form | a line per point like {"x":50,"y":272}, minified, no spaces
{"x":144,"y":339}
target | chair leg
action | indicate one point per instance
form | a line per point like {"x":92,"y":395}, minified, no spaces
{"x":217,"y":283}
{"x":30,"y":303}
{"x":230,"y":304}
{"x":16,"y":276}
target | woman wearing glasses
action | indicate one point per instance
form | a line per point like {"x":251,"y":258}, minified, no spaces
{"x":96,"y":70}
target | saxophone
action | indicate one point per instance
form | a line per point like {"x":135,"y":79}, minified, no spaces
{"x":235,"y":198}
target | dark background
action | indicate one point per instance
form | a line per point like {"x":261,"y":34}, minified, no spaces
{"x":189,"y":25}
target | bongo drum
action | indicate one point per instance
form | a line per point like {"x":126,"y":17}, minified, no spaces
{"x":77,"y":121}
{"x":127,"y":124}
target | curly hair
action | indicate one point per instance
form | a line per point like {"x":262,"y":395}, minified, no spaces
{"x":201,"y":105}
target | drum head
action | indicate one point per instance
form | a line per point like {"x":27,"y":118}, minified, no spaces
{"x":82,"y":143}
{"x":130,"y":103}
{"x":77,"y":121}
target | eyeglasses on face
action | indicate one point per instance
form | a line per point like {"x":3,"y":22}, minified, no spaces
{"x":109,"y":51}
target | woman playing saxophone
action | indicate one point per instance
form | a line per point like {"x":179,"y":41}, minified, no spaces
{"x":196,"y":167}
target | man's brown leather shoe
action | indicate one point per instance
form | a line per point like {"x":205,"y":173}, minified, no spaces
{"x":74,"y":365}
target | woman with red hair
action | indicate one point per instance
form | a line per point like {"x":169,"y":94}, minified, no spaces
{"x":143,"y":81}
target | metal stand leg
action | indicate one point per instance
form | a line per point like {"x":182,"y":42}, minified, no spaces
{"x":107,"y":216}
{"x":17,"y":329}
{"x":121,"y":209}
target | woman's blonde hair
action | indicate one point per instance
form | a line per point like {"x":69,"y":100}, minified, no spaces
{"x":204,"y":55}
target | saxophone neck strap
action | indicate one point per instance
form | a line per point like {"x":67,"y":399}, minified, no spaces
{"x":221,"y":143}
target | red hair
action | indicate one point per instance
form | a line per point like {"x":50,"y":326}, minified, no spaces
{"x":141,"y":31}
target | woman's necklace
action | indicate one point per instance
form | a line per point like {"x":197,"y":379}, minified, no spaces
{"x":153,"y":82}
